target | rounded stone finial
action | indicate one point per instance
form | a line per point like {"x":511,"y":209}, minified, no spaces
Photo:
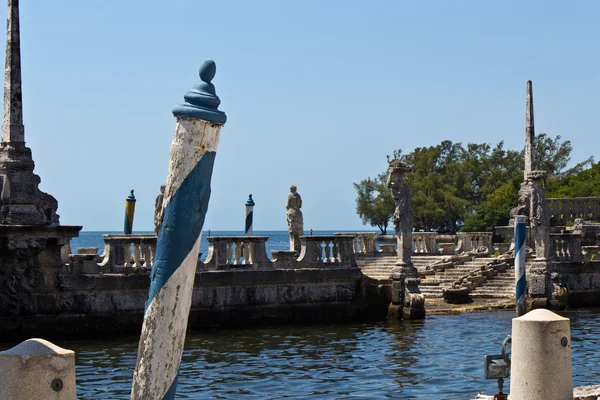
{"x":208,"y":69}
{"x":202,"y":102}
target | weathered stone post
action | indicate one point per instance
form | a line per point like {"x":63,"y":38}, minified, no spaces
{"x":413,"y":300}
{"x":294,"y":219}
{"x":187,"y":193}
{"x":541,"y":357}
{"x":129,"y":211}
{"x":249,"y":215}
{"x":37,"y":369}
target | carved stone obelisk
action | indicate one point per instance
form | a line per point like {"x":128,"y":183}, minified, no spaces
{"x":532,"y":204}
{"x":405,"y":276}
{"x":30,"y":235}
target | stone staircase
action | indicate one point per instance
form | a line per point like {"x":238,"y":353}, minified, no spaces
{"x":500,"y":286}
{"x":495,"y":285}
{"x":380,"y":267}
{"x":433,"y":285}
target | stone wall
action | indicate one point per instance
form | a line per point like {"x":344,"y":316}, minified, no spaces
{"x":312,"y":290}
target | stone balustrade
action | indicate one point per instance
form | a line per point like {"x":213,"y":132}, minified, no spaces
{"x":562,"y":211}
{"x":249,"y":252}
{"x":472,"y":241}
{"x":121,"y":251}
{"x":319,"y":251}
{"x":565,"y":247}
{"x":425,"y":243}
{"x":363,"y":242}
{"x":225,"y":252}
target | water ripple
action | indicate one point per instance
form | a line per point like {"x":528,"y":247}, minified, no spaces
{"x":440,"y":358}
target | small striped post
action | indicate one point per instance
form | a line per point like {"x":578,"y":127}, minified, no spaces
{"x":249,"y":215}
{"x":129,"y":211}
{"x":187,"y":193}
{"x":520,"y":252}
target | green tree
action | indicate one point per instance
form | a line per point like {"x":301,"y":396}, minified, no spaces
{"x":374,"y":203}
{"x":584,"y":183}
{"x":474,"y":185}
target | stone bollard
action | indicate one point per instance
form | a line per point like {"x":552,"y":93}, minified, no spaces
{"x":541,"y":357}
{"x":37,"y":369}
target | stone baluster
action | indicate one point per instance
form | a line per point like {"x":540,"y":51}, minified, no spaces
{"x":327,"y":252}
{"x":127,"y":254}
{"x":335,"y":255}
{"x":229,"y":259}
{"x":247,"y":250}
{"x":137,"y":255}
{"x":356,"y":244}
{"x":237,"y":253}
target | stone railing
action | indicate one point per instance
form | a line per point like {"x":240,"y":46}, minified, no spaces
{"x":249,"y":252}
{"x":363,"y":242}
{"x":319,"y":251}
{"x":565,"y":247}
{"x":225,"y":252}
{"x":122,"y":251}
{"x":470,"y":241}
{"x":425,"y":243}
{"x":562,"y":211}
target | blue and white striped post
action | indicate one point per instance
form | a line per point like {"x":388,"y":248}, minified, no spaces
{"x":185,"y":203}
{"x":129,"y":211}
{"x":520,"y":252}
{"x":249,"y":215}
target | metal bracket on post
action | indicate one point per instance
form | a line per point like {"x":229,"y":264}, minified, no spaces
{"x":497,"y":366}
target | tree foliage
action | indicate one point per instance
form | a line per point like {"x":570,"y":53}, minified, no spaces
{"x":374,"y":203}
{"x":473,"y":186}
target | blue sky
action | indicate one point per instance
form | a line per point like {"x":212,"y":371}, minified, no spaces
{"x":316,"y":93}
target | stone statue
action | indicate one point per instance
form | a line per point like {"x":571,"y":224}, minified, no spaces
{"x":413,"y":300}
{"x":524,"y":201}
{"x":158,"y":209}
{"x":539,"y":219}
{"x":294,"y":219}
{"x":403,"y":216}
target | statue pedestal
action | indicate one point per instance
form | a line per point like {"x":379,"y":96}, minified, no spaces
{"x":538,"y":283}
{"x":31,"y":258}
{"x":407,"y":300}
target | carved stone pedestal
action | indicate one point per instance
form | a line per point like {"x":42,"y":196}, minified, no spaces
{"x":538,"y":282}
{"x":407,"y":300}
{"x":30,"y":261}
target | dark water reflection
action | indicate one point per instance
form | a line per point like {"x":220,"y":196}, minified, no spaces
{"x":440,"y":358}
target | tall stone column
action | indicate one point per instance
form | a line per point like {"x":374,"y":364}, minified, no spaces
{"x":405,"y":276}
